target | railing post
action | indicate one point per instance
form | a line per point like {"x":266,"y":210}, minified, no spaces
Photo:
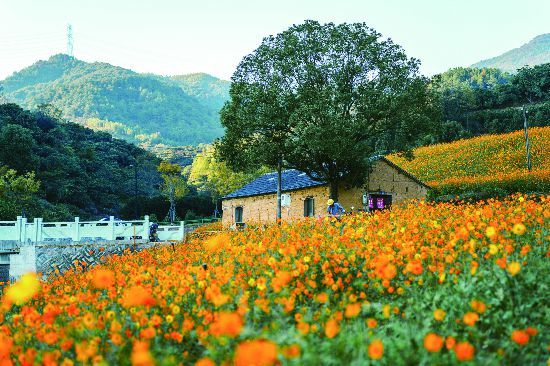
{"x":182,"y":228}
{"x":112,"y":224}
{"x":146,"y":228}
{"x":76,"y":229}
{"x":39,"y":229}
{"x":35,"y":223}
{"x":23,"y":229}
{"x":18,"y":229}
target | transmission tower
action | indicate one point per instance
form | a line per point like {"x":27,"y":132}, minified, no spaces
{"x":70,"y":40}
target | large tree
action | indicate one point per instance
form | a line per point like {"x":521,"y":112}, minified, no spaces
{"x":325,"y":97}
{"x":173,"y":186}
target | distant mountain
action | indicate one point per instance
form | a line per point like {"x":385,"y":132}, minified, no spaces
{"x":209,"y":90}
{"x":182,"y":110}
{"x":536,"y":52}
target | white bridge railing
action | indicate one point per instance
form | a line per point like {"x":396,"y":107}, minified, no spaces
{"x":15,"y":233}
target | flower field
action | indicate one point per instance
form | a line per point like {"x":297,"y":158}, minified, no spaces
{"x":423,"y":284}
{"x":491,"y":164}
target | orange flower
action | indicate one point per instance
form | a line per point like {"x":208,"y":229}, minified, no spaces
{"x":103,"y":278}
{"x":470,"y":319}
{"x":376,"y":350}
{"x":292,"y":351}
{"x":415,"y":267}
{"x":352,"y":310}
{"x":256,"y":352}
{"x":280,"y":281}
{"x":332,"y":328}
{"x":205,"y":362}
{"x":513,"y":268}
{"x":532,"y":331}
{"x":137,"y":295}
{"x":6,"y":344}
{"x":141,"y":355}
{"x":50,"y":338}
{"x":322,"y":297}
{"x":389,"y":271}
{"x":371,"y":322}
{"x":228,"y":324}
{"x":478,"y":306}
{"x":520,"y":337}
{"x":450,"y":343}
{"x":433,"y":342}
{"x":464,"y":351}
{"x":439,"y":315}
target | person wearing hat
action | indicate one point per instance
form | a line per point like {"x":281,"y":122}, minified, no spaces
{"x":334,"y":209}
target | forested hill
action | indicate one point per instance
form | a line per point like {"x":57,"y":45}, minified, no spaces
{"x":536,"y":52}
{"x":178,"y":111}
{"x":80,"y":172}
{"x":209,"y":90}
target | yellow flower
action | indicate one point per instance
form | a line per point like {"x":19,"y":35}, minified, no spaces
{"x":493,"y":249}
{"x":514,"y":268}
{"x":518,"y":229}
{"x":24,"y":289}
{"x":490,"y":231}
{"x":439,"y":314}
{"x":386,"y":311}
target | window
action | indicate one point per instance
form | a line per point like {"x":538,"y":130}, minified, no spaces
{"x":309,"y":207}
{"x":238,"y":214}
{"x":379,"y":201}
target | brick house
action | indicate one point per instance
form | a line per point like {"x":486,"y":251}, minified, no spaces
{"x":256,"y":202}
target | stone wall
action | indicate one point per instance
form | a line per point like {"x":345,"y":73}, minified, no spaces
{"x":383,"y":178}
{"x":47,"y":259}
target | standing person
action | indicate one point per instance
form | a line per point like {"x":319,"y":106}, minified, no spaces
{"x":334,"y":209}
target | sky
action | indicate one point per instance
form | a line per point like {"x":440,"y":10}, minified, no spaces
{"x":171,"y":37}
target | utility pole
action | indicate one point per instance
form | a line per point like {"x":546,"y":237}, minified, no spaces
{"x":279,"y":187}
{"x":525,"y":126}
{"x":135,"y":190}
{"x":70,"y":40}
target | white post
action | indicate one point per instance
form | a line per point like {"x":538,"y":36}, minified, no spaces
{"x":35,"y":222}
{"x":24,"y":230}
{"x":182,"y":228}
{"x":112,"y":224}
{"x":146,"y":229}
{"x":39,"y":229}
{"x":18,"y":229}
{"x":76,"y":229}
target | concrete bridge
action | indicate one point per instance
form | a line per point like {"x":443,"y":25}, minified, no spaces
{"x":48,"y":247}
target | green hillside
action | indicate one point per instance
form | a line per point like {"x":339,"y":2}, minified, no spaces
{"x":80,"y":172}
{"x":148,"y":104}
{"x":209,"y":90}
{"x":536,"y":52}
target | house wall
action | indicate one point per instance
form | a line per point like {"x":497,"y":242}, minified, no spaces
{"x":263,"y":209}
{"x":382,"y":178}
{"x":385,"y":178}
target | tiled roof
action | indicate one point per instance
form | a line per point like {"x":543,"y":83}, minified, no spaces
{"x":291,"y":180}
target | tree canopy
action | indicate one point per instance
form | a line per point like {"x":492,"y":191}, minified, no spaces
{"x":325,"y":97}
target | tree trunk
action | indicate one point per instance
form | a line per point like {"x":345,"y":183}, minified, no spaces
{"x":279,"y":188}
{"x":334,"y":190}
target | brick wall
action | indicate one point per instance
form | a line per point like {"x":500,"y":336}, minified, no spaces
{"x":382,"y":178}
